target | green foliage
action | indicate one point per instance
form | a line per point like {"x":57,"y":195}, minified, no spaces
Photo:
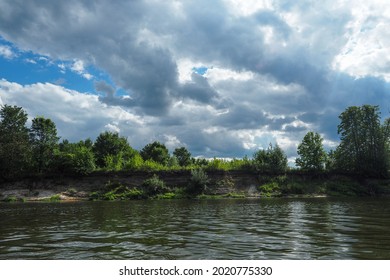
{"x":272,"y":160}
{"x":173,"y":163}
{"x":134,"y":163}
{"x":198,"y":182}
{"x":312,"y":156}
{"x":363,"y":148}
{"x":154,"y":186}
{"x":199,"y":162}
{"x":94,"y":195}
{"x":113,"y":162}
{"x":235,"y":195}
{"x":83,"y":161}
{"x":183,"y":156}
{"x":269,"y":189}
{"x":56,"y":197}
{"x":168,"y":195}
{"x":156,"y":152}
{"x":74,"y":158}
{"x":117,"y":191}
{"x":15,"y":152}
{"x":71,"y":192}
{"x":112,"y":151}
{"x":11,"y":199}
{"x":346,"y":187}
{"x":331,"y":161}
{"x":241,"y":164}
{"x":216,"y":164}
{"x":150,"y":165}
{"x":53,"y":198}
{"x":43,"y":139}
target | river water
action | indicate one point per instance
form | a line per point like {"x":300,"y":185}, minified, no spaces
{"x":311,"y":228}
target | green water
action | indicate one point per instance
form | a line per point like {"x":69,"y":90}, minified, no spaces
{"x":197,"y":229}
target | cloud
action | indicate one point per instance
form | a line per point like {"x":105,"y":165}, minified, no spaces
{"x":78,"y":67}
{"x":6,"y":52}
{"x":221,"y":77}
{"x":77,"y":116}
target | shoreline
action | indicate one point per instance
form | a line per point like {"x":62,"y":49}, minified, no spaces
{"x":174,"y":185}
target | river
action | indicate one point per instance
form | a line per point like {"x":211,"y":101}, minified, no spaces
{"x":275,"y":228}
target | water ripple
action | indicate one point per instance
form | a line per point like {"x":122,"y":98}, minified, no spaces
{"x":221,"y":229}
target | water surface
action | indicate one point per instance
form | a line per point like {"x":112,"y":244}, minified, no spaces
{"x":317,"y":228}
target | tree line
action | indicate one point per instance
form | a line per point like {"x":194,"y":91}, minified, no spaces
{"x":37,"y":150}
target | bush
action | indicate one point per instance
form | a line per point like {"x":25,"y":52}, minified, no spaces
{"x":198,"y":182}
{"x":56,"y":197}
{"x":134,"y":163}
{"x":272,"y":160}
{"x":11,"y":199}
{"x":77,"y":160}
{"x":134,"y":194}
{"x":269,"y":189}
{"x":168,"y":195}
{"x":150,"y":165}
{"x":113,"y":162}
{"x":119,"y":192}
{"x":154,"y":186}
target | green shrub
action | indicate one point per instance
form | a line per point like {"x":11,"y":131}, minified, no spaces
{"x":134,"y":194}
{"x":11,"y":199}
{"x":113,"y":162}
{"x":346,"y":188}
{"x":109,"y":195}
{"x":150,"y":165}
{"x":168,"y":195}
{"x":120,"y":192}
{"x":235,"y":195}
{"x":56,"y":197}
{"x":154,"y":186}
{"x":198,"y":182}
{"x":71,"y":191}
{"x":94,"y":196}
{"x":134,"y":163}
{"x":217,"y":164}
{"x":269,"y":189}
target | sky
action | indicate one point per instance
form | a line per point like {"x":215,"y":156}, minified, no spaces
{"x":222,"y":78}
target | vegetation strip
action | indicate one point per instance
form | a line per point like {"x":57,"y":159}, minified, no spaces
{"x":36,"y":154}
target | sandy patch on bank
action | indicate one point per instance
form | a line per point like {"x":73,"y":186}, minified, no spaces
{"x":42,"y":195}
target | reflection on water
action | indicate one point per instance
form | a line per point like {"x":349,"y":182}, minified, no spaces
{"x":195,"y":229}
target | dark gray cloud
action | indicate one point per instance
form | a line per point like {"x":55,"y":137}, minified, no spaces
{"x":198,"y":89}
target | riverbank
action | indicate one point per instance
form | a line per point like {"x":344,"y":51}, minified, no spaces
{"x":175,"y":185}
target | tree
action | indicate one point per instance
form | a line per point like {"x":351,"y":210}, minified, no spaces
{"x":109,"y":148}
{"x":362,"y":149}
{"x":183,"y":156}
{"x":272,"y":160}
{"x":75,"y":158}
{"x":155,"y":151}
{"x":43,"y":139}
{"x":312,"y":156}
{"x":14,"y":145}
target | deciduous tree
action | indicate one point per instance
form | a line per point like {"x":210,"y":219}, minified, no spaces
{"x":15,"y":152}
{"x":109,"y":148}
{"x":155,"y":151}
{"x":183,"y":156}
{"x":312,"y":156}
{"x":362,"y":148}
{"x":272,"y":160}
{"x":43,"y":139}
